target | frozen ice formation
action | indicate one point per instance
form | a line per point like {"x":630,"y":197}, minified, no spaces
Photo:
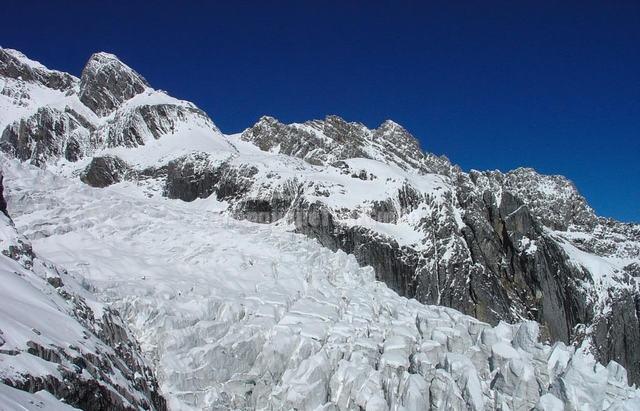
{"x":295,"y":266}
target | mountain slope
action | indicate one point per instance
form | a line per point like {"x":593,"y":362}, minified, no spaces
{"x":239,"y":315}
{"x":58,"y":341}
{"x":516,"y":246}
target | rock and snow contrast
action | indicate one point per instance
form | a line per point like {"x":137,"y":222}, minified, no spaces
{"x":151,"y":262}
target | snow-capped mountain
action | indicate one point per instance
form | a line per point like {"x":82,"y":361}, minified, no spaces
{"x":307,"y":265}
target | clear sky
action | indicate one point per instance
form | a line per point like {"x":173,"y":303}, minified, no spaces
{"x":553,"y":85}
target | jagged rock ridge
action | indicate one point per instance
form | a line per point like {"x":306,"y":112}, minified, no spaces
{"x":499,"y":246}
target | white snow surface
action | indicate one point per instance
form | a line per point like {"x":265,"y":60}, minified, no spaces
{"x":237,"y":315}
{"x":14,"y":399}
{"x":33,"y":313}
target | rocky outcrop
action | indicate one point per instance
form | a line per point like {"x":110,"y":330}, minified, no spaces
{"x":554,"y":200}
{"x":533,"y":275}
{"x":398,"y":145}
{"x":16,"y":65}
{"x":198,"y":176}
{"x":132,"y":128}
{"x":106,"y":83}
{"x":105,"y":171}
{"x":3,"y":202}
{"x":333,"y":139}
{"x":393,"y":265}
{"x":617,"y":334}
{"x":48,"y":134}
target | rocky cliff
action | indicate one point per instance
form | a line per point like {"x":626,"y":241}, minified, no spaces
{"x":513,"y":246}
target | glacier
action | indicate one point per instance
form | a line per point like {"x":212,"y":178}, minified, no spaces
{"x":240,"y":315}
{"x":321,"y":265}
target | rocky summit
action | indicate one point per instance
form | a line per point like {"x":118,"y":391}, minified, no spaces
{"x":151,"y":262}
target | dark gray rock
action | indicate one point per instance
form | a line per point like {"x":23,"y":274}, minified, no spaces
{"x":538,"y":283}
{"x":105,"y":171}
{"x":130,"y":128}
{"x":269,"y":209}
{"x":632,"y":269}
{"x":394,"y":265}
{"x":106,"y":83}
{"x":12,"y":65}
{"x":198,"y":176}
{"x":191,"y":177}
{"x":616,"y":335}
{"x":553,"y":199}
{"x":98,"y":392}
{"x":3,"y":202}
{"x":333,"y":139}
{"x":47,"y":135}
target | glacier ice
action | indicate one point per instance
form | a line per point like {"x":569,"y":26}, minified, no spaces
{"x":240,"y":315}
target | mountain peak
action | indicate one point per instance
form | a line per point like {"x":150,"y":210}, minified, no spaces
{"x":107,"y":82}
{"x":267,"y":120}
{"x":400,"y":146}
{"x":14,"y":64}
{"x":388,"y":123}
{"x":24,"y":59}
{"x":102,"y":60}
{"x":103,"y":55}
{"x":553,"y":198}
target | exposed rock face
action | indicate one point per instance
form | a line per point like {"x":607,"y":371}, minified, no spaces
{"x":393,"y":265}
{"x":105,"y":171}
{"x":398,"y":145}
{"x":332,"y":139}
{"x":500,"y":238}
{"x":3,"y":202}
{"x":191,"y":177}
{"x":130,"y":128}
{"x":552,"y":199}
{"x":46,"y":135}
{"x":106,"y":82}
{"x":198,"y":176}
{"x":616,"y":335}
{"x":14,"y":64}
{"x":499,"y":246}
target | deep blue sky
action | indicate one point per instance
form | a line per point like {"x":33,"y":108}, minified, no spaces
{"x":552,"y":85}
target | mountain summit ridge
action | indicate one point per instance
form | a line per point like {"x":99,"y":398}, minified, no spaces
{"x":515,"y":246}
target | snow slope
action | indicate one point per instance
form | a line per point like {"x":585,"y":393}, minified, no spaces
{"x":242,"y":315}
{"x":55,"y":336}
{"x":13,"y":399}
